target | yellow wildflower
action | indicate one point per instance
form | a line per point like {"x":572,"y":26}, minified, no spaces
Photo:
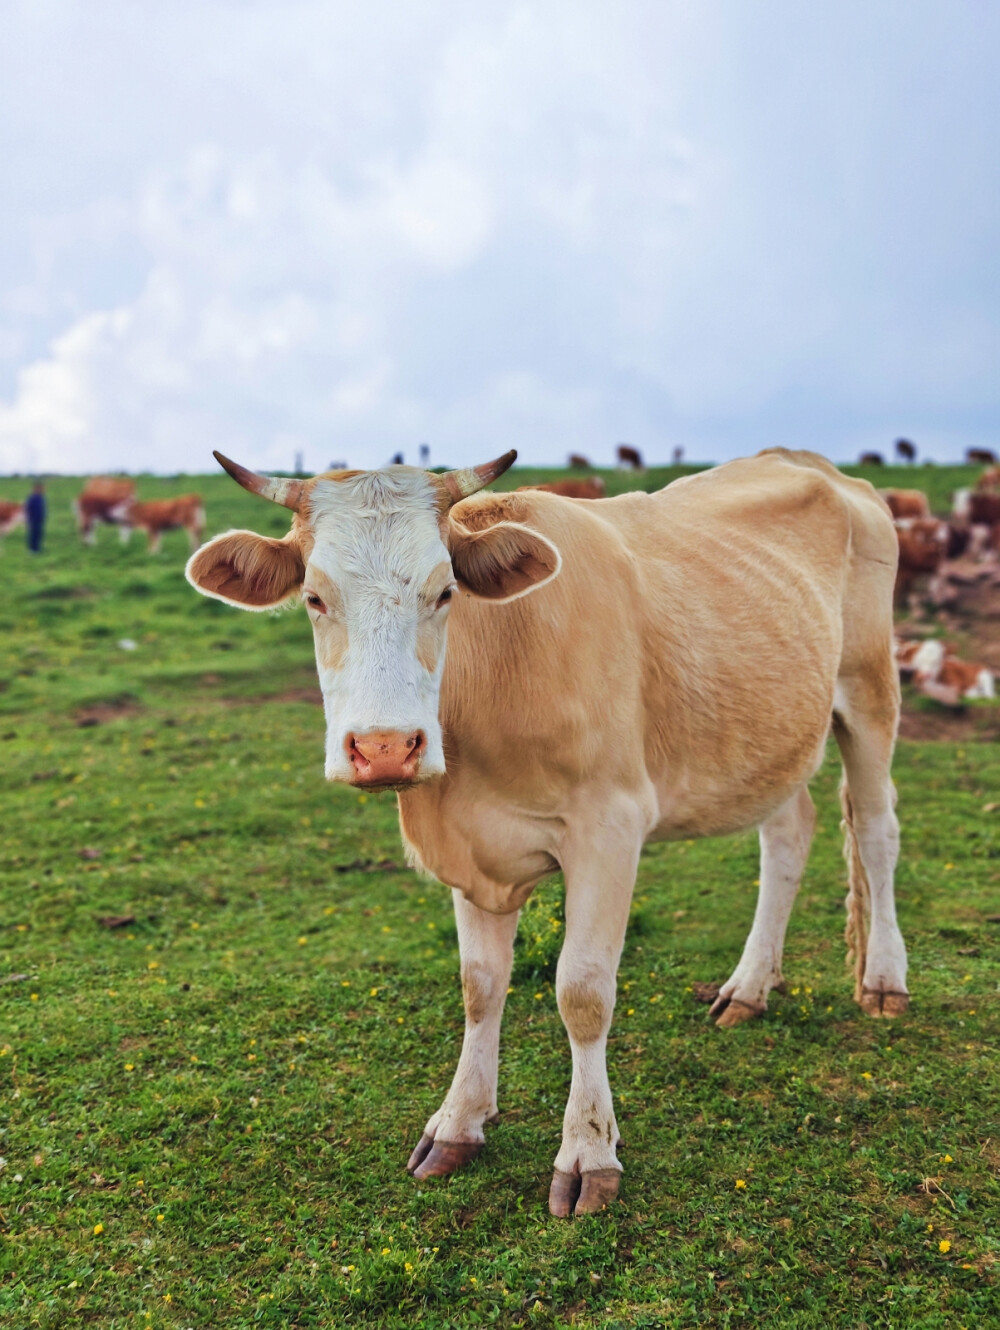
{"x":944,"y":1246}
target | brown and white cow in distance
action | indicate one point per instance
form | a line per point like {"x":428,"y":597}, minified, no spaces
{"x":186,"y":512}
{"x":11,"y":516}
{"x":104,"y":499}
{"x":907,"y":503}
{"x":549,"y":684}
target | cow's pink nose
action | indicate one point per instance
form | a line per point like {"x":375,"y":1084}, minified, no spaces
{"x":385,"y":757}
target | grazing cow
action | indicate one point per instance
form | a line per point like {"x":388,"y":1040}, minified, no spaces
{"x":186,"y":512}
{"x":584,"y":667}
{"x":590,"y":488}
{"x":871,"y":459}
{"x":907,"y":503}
{"x":905,"y":450}
{"x":923,"y":546}
{"x":578,"y":462}
{"x":980,"y":457}
{"x":629,"y":458}
{"x":103,"y":499}
{"x":11,"y":516}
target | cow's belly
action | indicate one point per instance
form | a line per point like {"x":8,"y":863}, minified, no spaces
{"x":493,"y":851}
{"x":706,"y":799}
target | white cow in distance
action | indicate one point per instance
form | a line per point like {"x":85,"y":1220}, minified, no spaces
{"x":548,"y":683}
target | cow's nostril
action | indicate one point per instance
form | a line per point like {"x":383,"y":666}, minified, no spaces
{"x":355,"y":754}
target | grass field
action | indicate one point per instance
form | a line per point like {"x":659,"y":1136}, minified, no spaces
{"x":205,"y":1113}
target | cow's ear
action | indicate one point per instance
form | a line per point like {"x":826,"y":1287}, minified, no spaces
{"x":503,"y":561}
{"x":244,"y":569}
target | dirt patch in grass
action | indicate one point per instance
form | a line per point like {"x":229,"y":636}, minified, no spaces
{"x":943,"y":725}
{"x":102,"y":713}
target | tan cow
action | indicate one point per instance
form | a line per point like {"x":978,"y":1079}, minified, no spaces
{"x":907,"y":503}
{"x":186,"y":512}
{"x":11,"y":516}
{"x":104,"y":499}
{"x":648,"y":667}
{"x":590,"y":488}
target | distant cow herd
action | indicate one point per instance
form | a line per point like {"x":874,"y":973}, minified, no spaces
{"x":112,"y":501}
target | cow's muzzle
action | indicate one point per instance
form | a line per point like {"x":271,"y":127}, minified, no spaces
{"x":385,"y":757}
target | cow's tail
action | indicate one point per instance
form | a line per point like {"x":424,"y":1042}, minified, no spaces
{"x":859,"y":902}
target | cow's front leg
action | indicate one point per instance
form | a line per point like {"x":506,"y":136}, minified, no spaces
{"x":599,"y":884}
{"x":454,"y":1134}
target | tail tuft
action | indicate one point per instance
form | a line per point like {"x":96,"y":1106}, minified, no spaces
{"x":858,"y":893}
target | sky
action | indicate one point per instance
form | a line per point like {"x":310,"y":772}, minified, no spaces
{"x":276,"y":227}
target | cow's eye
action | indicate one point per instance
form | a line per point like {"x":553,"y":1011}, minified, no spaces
{"x":314,"y":602}
{"x":445,"y":596}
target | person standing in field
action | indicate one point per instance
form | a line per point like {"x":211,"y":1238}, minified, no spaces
{"x":34,"y":516}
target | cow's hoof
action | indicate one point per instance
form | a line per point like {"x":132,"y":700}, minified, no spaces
{"x":876,"y":1003}
{"x":582,"y":1193}
{"x":436,"y":1159}
{"x":731,"y":1011}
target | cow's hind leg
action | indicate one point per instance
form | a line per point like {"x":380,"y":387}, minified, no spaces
{"x":784,"y":848}
{"x":454,"y":1134}
{"x":865,"y":734}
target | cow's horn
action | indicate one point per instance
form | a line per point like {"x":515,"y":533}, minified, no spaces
{"x":470,"y":479}
{"x":286,"y":492}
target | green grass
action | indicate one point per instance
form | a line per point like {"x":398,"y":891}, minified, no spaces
{"x":230,"y":1086}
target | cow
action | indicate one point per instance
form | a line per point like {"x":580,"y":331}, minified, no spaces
{"x":989,"y":481}
{"x":923,"y":547}
{"x":871,"y":459}
{"x":548,"y":685}
{"x":905,"y":450}
{"x":938,"y":673}
{"x":185,"y":512}
{"x":906,"y":503}
{"x":980,"y":457}
{"x":103,"y":499}
{"x":591,"y":487}
{"x":11,"y":516}
{"x":577,"y":462}
{"x":629,"y":458}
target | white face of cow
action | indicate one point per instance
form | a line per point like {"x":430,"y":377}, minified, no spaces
{"x":377,"y":558}
{"x":378,"y":584}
